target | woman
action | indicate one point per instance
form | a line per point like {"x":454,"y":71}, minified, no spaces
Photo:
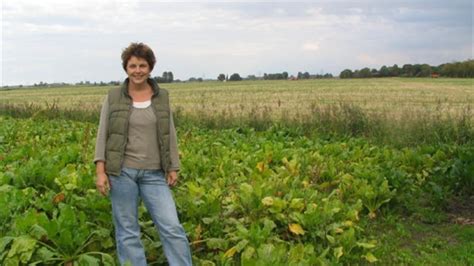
{"x":137,"y":158}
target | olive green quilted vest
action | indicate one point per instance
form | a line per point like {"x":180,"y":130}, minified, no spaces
{"x":120,"y":105}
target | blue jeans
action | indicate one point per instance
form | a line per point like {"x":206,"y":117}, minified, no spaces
{"x":151,"y":186}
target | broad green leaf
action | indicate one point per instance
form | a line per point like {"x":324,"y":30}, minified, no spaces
{"x":278,"y":205}
{"x":216,"y":243}
{"x":38,"y":232}
{"x":15,"y":261}
{"x":366,"y":245}
{"x":23,"y":247}
{"x":230,"y":252}
{"x":242,"y":244}
{"x":247,"y":254}
{"x":107,"y":260}
{"x":265,"y":251}
{"x":237,"y":248}
{"x":296,"y":254}
{"x":338,"y":252}
{"x":246,"y":188}
{"x":267,"y":201}
{"x":206,"y":263}
{"x":268,"y":225}
{"x":4,"y":241}
{"x":297,"y":204}
{"x":348,"y":223}
{"x":86,"y":260}
{"x":370,"y":257}
{"x":331,"y":239}
{"x":45,"y":254}
{"x":207,"y":220}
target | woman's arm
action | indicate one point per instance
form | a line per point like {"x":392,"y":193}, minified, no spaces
{"x":102,"y":132}
{"x":174,"y":154}
{"x":102,"y":180}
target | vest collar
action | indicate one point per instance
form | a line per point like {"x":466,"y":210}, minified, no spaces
{"x":152,"y":82}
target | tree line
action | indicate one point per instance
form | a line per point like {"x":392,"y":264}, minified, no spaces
{"x":463,"y":69}
{"x":272,"y":76}
{"x":167,"y":77}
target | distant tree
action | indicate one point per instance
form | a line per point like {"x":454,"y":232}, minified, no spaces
{"x":328,"y":75}
{"x":356,"y":74}
{"x":416,"y":70}
{"x":306,"y":75}
{"x":365,"y":73}
{"x":251,"y":77}
{"x":345,"y":74}
{"x":394,"y":71}
{"x":274,"y":76}
{"x":374,"y":73}
{"x":193,"y":79}
{"x":436,"y":69}
{"x":167,"y":77}
{"x":458,"y":69}
{"x":221,"y":77}
{"x":425,"y":71}
{"x":384,"y":71}
{"x":235,"y":77}
{"x":299,"y":76}
{"x":407,"y":70}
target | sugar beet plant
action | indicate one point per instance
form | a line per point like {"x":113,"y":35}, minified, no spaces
{"x":245,"y":197}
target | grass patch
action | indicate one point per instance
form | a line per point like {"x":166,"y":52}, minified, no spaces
{"x":335,"y":120}
{"x":411,"y":242}
{"x":396,"y":111}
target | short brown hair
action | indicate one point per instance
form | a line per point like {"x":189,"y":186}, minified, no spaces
{"x":139,"y":50}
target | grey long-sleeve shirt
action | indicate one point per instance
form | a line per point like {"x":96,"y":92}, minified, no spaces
{"x":141,"y":151}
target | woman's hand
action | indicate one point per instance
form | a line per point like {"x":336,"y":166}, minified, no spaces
{"x":102,"y":182}
{"x":172,"y":178}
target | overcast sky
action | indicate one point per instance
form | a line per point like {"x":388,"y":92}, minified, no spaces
{"x":72,"y":41}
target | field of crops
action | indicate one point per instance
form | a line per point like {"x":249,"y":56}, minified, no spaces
{"x":281,"y":195}
{"x":392,"y":96}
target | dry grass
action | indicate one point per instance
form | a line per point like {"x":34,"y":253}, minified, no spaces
{"x":392,"y":97}
{"x":400,"y":111}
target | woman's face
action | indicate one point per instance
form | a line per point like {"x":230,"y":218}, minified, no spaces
{"x":138,"y":70}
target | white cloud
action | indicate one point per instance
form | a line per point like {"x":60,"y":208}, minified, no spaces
{"x":311,"y":46}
